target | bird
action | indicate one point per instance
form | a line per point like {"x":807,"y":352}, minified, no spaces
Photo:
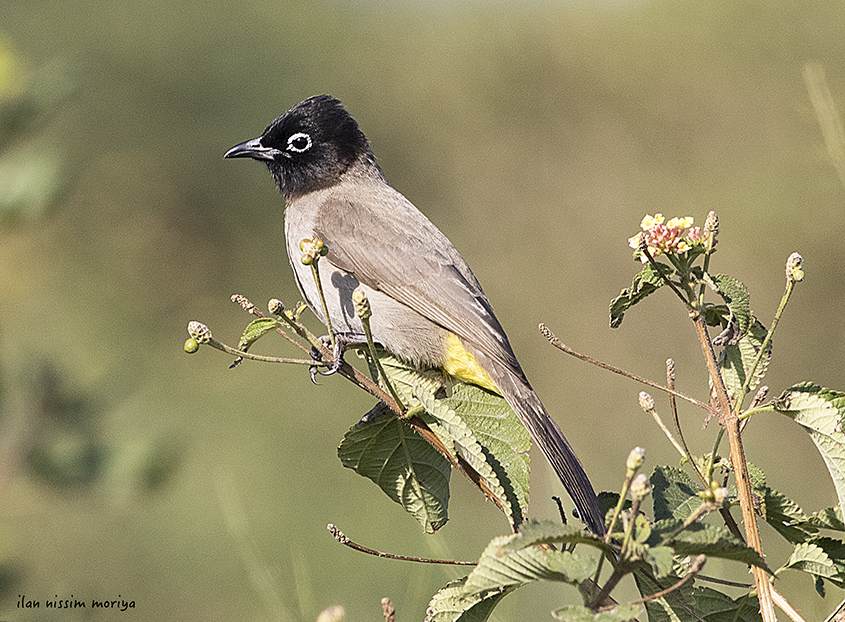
{"x":428,"y":308}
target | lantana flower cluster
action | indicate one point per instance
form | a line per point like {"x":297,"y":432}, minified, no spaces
{"x":674,"y":237}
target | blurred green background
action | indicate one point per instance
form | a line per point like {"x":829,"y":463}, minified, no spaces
{"x":536,"y":134}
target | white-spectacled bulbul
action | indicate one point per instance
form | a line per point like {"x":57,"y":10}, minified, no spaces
{"x":427,"y":306}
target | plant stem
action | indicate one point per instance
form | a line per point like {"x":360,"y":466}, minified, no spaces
{"x":728,"y":419}
{"x":315,"y":271}
{"x":749,"y":375}
{"x":365,"y":321}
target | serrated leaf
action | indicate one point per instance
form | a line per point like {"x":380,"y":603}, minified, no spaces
{"x":709,"y":540}
{"x":253,"y":332}
{"x":645,"y":283}
{"x":835,"y":551}
{"x":533,"y":532}
{"x":674,"y":493}
{"x":787,"y":517}
{"x":501,"y":567}
{"x":465,"y":443}
{"x":406,"y":379}
{"x":735,"y":295}
{"x":403,"y":464}
{"x":661,"y":559}
{"x":829,"y":518}
{"x":450,"y":604}
{"x":577,"y":613}
{"x":820,"y":411}
{"x":676,"y":606}
{"x":714,"y":606}
{"x":503,"y":438}
{"x":758,"y":488}
{"x":735,"y":361}
{"x":811,"y":558}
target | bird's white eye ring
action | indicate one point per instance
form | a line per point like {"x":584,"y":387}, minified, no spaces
{"x":299,"y":142}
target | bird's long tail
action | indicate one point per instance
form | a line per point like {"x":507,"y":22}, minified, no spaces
{"x":548,"y":436}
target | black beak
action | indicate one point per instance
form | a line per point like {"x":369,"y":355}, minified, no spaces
{"x":252,"y":149}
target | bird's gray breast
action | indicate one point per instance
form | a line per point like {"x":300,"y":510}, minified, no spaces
{"x":399,"y":328}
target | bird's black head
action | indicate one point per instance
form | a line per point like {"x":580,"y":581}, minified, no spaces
{"x":309,"y":147}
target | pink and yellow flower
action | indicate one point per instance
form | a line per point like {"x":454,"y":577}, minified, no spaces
{"x":676,"y":236}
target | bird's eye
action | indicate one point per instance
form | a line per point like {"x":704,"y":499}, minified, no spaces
{"x":299,"y":142}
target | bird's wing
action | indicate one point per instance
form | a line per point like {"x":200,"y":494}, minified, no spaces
{"x":392,"y":247}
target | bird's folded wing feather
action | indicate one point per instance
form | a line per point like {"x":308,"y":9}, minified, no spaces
{"x":395,"y":249}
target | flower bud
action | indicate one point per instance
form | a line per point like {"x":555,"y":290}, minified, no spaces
{"x":362,"y":305}
{"x":276,"y":306}
{"x":793,"y":268}
{"x":243,"y":301}
{"x":711,"y":224}
{"x":640,"y":487}
{"x":312,"y":249}
{"x":635,"y":459}
{"x":199,"y":332}
{"x":191,"y":345}
{"x":646,"y":402}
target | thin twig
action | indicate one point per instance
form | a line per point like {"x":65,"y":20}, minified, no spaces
{"x":341,"y":537}
{"x":673,"y":407}
{"x":749,"y":375}
{"x":744,"y":586}
{"x":588,"y":359}
{"x":258,"y":357}
{"x":695,"y":568}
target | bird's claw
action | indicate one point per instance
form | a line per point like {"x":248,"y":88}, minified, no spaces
{"x":337,"y":362}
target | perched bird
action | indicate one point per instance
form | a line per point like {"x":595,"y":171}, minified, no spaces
{"x":427,"y":306}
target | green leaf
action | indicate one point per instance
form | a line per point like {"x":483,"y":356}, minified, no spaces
{"x":835,"y":552}
{"x":502,"y":567}
{"x":406,"y":379}
{"x":713,"y":541}
{"x":735,"y":361}
{"x":455,"y":433}
{"x":645,"y":283}
{"x":786,"y":517}
{"x":450,"y":604}
{"x":812,"y":558}
{"x":503,"y":439}
{"x":829,"y":518}
{"x":533,"y":532}
{"x":735,"y":295}
{"x":820,"y":411}
{"x":577,"y":613}
{"x":676,"y":606}
{"x":714,"y":606}
{"x":675,"y":494}
{"x":253,"y":332}
{"x":474,"y":424}
{"x":403,"y":464}
{"x":661,"y":559}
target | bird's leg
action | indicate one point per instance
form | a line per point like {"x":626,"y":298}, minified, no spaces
{"x":341,"y":340}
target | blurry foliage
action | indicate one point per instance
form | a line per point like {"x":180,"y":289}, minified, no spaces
{"x":66,"y":448}
{"x":48,"y":429}
{"x":31,"y":169}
